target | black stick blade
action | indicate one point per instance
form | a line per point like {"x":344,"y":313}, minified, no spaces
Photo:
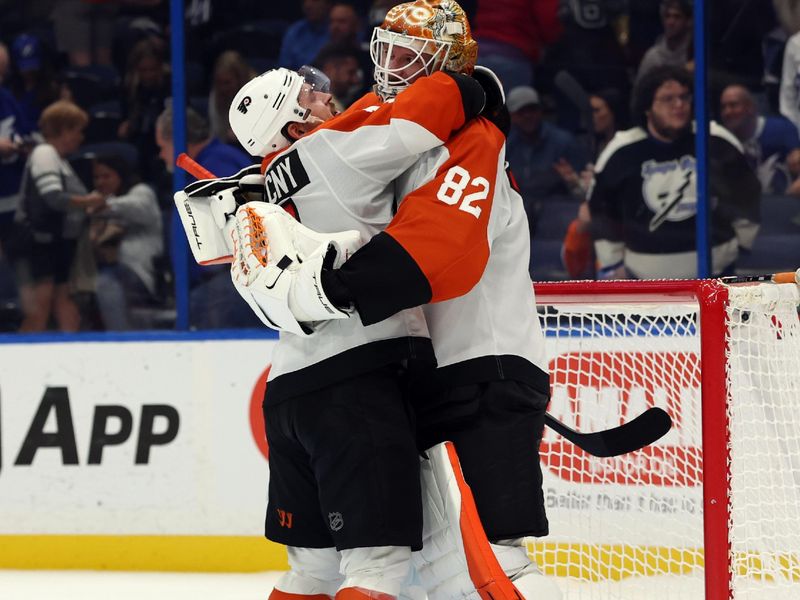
{"x":634,"y":435}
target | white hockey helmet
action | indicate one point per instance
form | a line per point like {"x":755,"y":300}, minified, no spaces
{"x":265,"y":105}
{"x":438,"y":34}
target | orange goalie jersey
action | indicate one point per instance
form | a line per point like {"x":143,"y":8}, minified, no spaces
{"x":341,"y":177}
{"x":459,"y":244}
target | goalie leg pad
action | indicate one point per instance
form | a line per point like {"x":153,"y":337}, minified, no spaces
{"x":313,"y":574}
{"x":523,"y":572}
{"x":375,"y":572}
{"x":456,"y":560}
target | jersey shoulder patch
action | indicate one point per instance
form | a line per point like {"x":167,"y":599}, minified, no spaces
{"x":284,"y":177}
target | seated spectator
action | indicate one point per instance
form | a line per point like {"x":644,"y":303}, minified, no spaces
{"x":345,"y":30}
{"x":608,"y":116}
{"x":231,"y":72}
{"x":674,"y":46}
{"x":535,"y":150}
{"x":340,"y":65}
{"x":767,"y":141}
{"x":306,"y":37}
{"x":213,"y":301}
{"x":215,"y":155}
{"x":127,"y":237}
{"x":5,"y":63}
{"x":33,"y":80}
{"x":146,"y":87}
{"x":643,"y":201}
{"x":54,"y":209}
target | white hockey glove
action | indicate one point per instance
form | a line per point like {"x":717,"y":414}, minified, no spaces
{"x":206,"y":208}
{"x":206,"y":223}
{"x":277,"y":267}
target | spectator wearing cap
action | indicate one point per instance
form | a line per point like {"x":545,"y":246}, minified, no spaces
{"x":674,"y":45}
{"x":306,"y":37}
{"x":534,"y":150}
{"x":33,"y":81}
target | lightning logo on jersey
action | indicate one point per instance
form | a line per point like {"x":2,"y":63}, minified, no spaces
{"x":669,"y":190}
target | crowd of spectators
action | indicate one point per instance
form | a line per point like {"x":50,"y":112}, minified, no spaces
{"x":86,"y":126}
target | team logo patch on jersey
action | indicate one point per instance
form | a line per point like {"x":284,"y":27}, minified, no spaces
{"x":242,"y":108}
{"x":669,"y":190}
{"x":336,"y":521}
{"x":284,"y":177}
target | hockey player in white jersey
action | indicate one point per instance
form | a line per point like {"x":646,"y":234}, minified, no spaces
{"x":493,"y":383}
{"x":344,"y":471}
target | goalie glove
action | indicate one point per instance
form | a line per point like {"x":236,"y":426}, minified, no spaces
{"x":277,"y":267}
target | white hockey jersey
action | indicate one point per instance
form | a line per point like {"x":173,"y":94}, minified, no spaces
{"x":459,"y":244}
{"x":341,"y":177}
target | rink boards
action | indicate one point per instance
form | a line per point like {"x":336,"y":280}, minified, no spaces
{"x":150,"y":455}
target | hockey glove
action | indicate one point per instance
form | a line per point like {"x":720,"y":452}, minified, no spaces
{"x":277,"y":267}
{"x":495,"y":109}
{"x":207,"y":223}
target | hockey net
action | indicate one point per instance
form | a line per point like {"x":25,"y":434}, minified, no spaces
{"x":710,"y":511}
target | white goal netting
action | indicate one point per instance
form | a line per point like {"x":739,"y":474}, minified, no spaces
{"x":633,"y":526}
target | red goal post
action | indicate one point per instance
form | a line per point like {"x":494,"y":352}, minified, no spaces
{"x":723,"y":361}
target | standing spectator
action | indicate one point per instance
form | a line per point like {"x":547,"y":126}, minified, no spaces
{"x":33,"y":80}
{"x":306,"y":37}
{"x":231,"y":72}
{"x":534,"y":151}
{"x":643,"y":201}
{"x":511,"y":35}
{"x":127,"y":235}
{"x":674,"y":46}
{"x":767,"y":141}
{"x":13,"y":152}
{"x":54,"y":204}
{"x":146,"y":87}
{"x":591,"y":49}
{"x":790,"y":80}
{"x":84,"y":30}
{"x":213,"y":301}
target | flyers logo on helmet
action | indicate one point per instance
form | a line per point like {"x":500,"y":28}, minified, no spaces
{"x":597,"y":390}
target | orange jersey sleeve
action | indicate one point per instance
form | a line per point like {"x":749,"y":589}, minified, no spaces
{"x":443,"y":225}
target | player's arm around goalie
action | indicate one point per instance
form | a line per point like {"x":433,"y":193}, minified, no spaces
{"x":438,"y":244}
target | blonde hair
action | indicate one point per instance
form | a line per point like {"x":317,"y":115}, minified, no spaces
{"x":60,"y":116}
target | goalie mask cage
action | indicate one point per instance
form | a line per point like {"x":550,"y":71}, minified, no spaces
{"x":712,"y":510}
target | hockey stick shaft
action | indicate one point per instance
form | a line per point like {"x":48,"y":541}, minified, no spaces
{"x":642,"y":431}
{"x":194,"y":168}
{"x":784,"y":277}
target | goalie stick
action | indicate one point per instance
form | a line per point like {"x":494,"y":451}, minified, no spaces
{"x":633,"y":435}
{"x":642,"y":431}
